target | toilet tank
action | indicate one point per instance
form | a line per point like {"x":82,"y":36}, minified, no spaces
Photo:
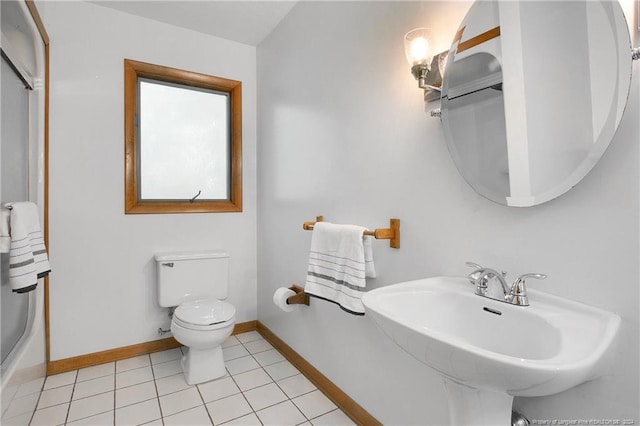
{"x":185,"y":276}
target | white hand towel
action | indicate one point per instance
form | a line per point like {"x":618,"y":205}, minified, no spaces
{"x":369,"y":267}
{"x":28,"y":259}
{"x":340,"y":259}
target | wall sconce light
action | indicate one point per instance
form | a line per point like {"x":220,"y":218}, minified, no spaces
{"x":425,"y":67}
{"x":418,"y":52}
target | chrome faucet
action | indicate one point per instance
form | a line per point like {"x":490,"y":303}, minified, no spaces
{"x":515,"y":295}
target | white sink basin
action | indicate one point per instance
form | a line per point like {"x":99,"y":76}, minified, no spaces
{"x":486,"y":345}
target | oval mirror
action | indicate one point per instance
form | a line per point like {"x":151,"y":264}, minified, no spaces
{"x":533,"y":93}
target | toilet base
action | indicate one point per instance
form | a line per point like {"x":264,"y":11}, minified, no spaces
{"x":203,"y":365}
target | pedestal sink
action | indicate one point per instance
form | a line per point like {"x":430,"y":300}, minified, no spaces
{"x":487,"y":351}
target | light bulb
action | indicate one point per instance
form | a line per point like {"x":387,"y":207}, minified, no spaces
{"x":416,"y":47}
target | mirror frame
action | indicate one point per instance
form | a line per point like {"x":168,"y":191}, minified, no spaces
{"x":133,"y":71}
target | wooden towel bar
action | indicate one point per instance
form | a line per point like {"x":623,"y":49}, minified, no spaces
{"x":391,"y":233}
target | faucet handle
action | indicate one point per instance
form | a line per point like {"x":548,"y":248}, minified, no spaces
{"x":473,"y":265}
{"x":477,"y":270}
{"x":518,"y":294}
{"x":477,"y":266}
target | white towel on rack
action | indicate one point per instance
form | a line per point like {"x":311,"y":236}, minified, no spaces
{"x":340,"y":259}
{"x":28,"y":259}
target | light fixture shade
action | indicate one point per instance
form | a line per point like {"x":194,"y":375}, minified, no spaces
{"x":417,"y":46}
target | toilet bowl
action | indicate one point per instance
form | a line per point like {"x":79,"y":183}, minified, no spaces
{"x":196,"y":284}
{"x":203,"y":325}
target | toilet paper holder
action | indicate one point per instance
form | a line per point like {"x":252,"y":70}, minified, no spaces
{"x":300,"y":298}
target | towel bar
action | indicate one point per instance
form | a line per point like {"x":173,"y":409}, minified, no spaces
{"x":391,"y":233}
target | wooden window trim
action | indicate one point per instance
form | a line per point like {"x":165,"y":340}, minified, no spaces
{"x":133,"y":204}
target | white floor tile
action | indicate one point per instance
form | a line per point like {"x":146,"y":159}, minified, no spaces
{"x":164,"y":356}
{"x":265,"y":396}
{"x":55,"y":396}
{"x":139,"y":413}
{"x":180,"y":401}
{"x":248,"y":337}
{"x":256,"y":346}
{"x":104,"y":419}
{"x":217,"y":389}
{"x":252,"y":379}
{"x":157,"y":422}
{"x":228,"y":408}
{"x":61,"y":379}
{"x":233,"y":352}
{"x":280,"y":370}
{"x":248,"y":420}
{"x":31,"y":387}
{"x":171,"y":384}
{"x":132,"y":363}
{"x":133,"y":377}
{"x":296,"y":385}
{"x":8,"y":393}
{"x":55,"y":415}
{"x":93,"y":387}
{"x":134,"y":394}
{"x":268,"y":357}
{"x":240,"y":365}
{"x":333,"y":418}
{"x":283,"y":414}
{"x":231,"y":341}
{"x":96,"y":371}
{"x":166,"y":369}
{"x":314,"y":404}
{"x":194,"y":417}
{"x":91,"y":406}
{"x":18,"y":406}
{"x":20,"y":420}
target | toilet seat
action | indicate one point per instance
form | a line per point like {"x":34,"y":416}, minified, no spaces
{"x":204,"y":314}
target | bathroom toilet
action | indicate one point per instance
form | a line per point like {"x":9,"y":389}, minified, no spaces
{"x":196,"y":284}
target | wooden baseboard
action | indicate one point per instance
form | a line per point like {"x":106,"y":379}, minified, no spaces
{"x":351,"y":408}
{"x":88,"y":360}
{"x":244,"y":327}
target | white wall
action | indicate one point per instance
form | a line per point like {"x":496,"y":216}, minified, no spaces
{"x":103,"y":292}
{"x":343,"y":133}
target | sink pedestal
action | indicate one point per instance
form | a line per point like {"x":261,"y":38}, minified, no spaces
{"x":469,"y":406}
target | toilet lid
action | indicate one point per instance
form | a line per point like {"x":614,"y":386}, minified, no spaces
{"x":205,"y":312}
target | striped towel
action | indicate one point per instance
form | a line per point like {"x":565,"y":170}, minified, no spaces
{"x":28,"y":259}
{"x":340,"y":259}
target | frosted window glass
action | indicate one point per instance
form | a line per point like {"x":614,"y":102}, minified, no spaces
{"x":184,"y":142}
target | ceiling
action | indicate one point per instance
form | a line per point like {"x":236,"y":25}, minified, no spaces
{"x":244,"y":21}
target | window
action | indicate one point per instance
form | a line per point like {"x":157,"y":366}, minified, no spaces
{"x":183,"y":147}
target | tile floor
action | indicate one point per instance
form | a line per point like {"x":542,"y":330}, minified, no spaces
{"x":261,"y":388}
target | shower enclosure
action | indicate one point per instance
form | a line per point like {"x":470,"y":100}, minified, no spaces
{"x":22,"y":108}
{"x":14,"y":185}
